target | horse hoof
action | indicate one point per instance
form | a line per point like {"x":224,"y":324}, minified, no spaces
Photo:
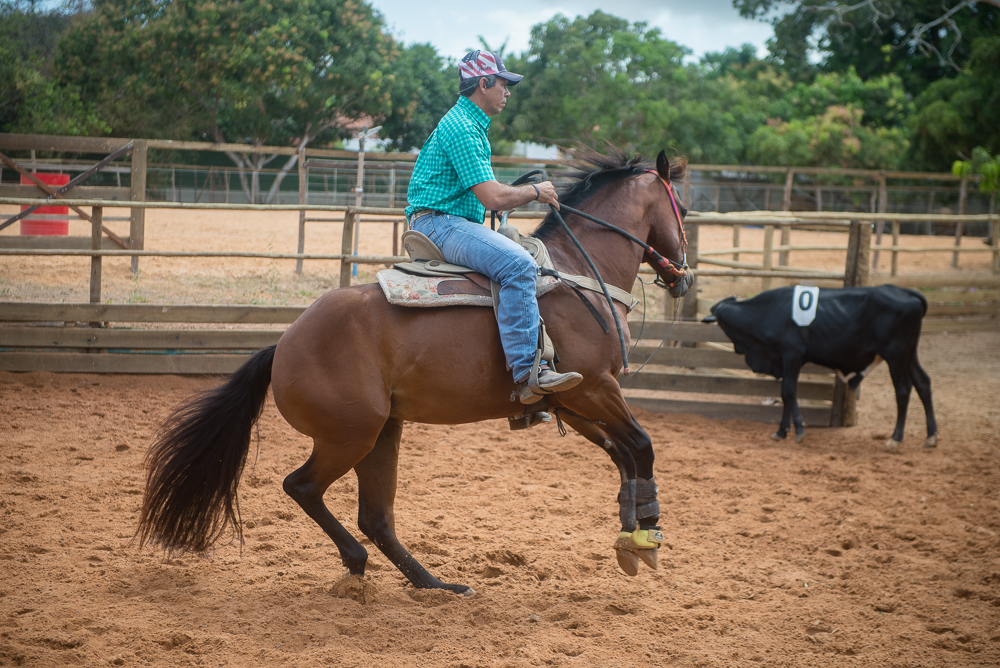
{"x":649,"y":557}
{"x":778,"y":436}
{"x":800,"y":437}
{"x":931,"y":441}
{"x":469,"y":591}
{"x":892,"y":445}
{"x":628,"y":561}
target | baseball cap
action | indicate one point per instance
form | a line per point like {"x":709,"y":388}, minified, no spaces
{"x":483,"y":63}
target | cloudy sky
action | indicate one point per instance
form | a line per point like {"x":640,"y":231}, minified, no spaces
{"x":453,"y":26}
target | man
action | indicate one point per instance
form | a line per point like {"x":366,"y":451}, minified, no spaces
{"x":452,"y":187}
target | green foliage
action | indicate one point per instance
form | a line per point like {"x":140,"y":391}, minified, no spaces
{"x":596,"y":79}
{"x":954,"y":115}
{"x":876,"y":39}
{"x":30,"y":101}
{"x":836,"y":137}
{"x":254,"y":71}
{"x":982,"y":164}
{"x":424,"y":88}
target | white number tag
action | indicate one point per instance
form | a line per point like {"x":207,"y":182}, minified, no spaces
{"x":804,"y":304}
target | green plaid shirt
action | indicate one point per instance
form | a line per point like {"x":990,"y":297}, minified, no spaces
{"x":453,"y":159}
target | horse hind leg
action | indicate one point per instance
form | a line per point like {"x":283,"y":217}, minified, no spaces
{"x":328,"y":462}
{"x":377,"y":476}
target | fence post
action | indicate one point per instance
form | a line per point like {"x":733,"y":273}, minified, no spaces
{"x":392,"y":189}
{"x":96,"y":222}
{"x":963,"y":192}
{"x":346,"y":243}
{"x":883,"y":204}
{"x":768,"y":260}
{"x":137,"y":217}
{"x":786,"y":232}
{"x":689,"y":309}
{"x":303,"y":195}
{"x":736,"y":244}
{"x":895,"y":245}
{"x":844,"y":412}
{"x":995,"y":242}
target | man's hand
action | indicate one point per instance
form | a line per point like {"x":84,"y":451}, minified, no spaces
{"x":497,"y":196}
{"x":547,"y":193}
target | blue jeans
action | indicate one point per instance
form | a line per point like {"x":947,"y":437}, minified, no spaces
{"x":494,"y":255}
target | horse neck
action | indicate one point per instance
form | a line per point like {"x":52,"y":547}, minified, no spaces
{"x":616,"y":257}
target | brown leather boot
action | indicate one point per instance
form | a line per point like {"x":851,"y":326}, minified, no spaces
{"x":548,"y":381}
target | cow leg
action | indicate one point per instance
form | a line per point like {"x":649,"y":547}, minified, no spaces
{"x":790,"y":413}
{"x":902,"y":382}
{"x":922,"y":382}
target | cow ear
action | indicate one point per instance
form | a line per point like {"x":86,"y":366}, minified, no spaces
{"x":663,"y":165}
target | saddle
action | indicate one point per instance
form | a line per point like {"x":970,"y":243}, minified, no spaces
{"x":428,"y":280}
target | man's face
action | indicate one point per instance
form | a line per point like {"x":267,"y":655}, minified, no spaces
{"x":495,"y":98}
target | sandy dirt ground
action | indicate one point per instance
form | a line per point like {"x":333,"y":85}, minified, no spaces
{"x":828,"y":553}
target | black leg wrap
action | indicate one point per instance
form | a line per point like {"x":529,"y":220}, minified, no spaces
{"x":646,"y":504}
{"x":626,"y":506}
{"x":647,"y":510}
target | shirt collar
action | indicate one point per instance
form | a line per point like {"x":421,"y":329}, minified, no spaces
{"x":477,"y":114}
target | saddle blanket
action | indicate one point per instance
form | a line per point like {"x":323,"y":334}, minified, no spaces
{"x":470,"y":289}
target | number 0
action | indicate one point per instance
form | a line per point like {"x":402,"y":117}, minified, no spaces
{"x":805,"y":300}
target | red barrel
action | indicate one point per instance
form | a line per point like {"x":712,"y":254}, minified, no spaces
{"x":47,"y":224}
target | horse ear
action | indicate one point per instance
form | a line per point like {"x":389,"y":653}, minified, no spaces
{"x":663,"y":165}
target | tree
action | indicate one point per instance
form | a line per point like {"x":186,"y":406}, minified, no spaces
{"x":594,"y":79}
{"x":918,"y":40}
{"x":29,"y":100}
{"x":836,"y":137}
{"x":953,"y":116}
{"x":981,"y":163}
{"x":424,"y":88}
{"x":239,"y":71}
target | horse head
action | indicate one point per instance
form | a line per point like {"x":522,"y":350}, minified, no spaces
{"x":667,"y":231}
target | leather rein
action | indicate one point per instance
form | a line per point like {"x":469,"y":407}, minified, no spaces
{"x":679,"y":270}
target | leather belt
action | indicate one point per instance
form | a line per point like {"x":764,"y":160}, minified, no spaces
{"x":423,"y":212}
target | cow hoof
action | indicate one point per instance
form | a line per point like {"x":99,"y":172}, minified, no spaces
{"x":931,"y":441}
{"x":892,"y":445}
{"x":628,"y":562}
{"x":778,"y":436}
{"x":800,"y":437}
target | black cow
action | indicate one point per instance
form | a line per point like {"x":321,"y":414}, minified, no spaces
{"x":853,"y":330}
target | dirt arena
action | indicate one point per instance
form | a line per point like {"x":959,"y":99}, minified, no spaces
{"x":827,"y":553}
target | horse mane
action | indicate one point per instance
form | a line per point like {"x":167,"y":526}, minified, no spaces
{"x":595,"y":171}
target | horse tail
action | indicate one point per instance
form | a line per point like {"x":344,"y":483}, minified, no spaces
{"x":195,"y":463}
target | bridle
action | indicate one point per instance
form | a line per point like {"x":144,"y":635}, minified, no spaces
{"x":679,"y":270}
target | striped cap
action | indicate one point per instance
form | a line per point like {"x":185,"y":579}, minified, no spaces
{"x":483,"y":63}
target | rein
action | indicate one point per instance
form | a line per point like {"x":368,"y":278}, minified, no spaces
{"x":679,"y":270}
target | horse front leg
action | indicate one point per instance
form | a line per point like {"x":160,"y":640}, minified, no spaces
{"x":377,"y":477}
{"x":631,"y":450}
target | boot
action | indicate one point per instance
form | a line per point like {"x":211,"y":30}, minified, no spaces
{"x":548,"y":381}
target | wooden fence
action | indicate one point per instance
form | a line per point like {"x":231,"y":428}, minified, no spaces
{"x":694,"y":359}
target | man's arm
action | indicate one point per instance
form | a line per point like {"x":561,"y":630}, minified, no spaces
{"x":498,"y":196}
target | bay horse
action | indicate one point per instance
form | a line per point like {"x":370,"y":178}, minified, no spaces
{"x":352,"y":368}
